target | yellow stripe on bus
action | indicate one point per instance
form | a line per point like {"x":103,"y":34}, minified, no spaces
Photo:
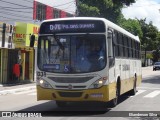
{"x":108,"y":92}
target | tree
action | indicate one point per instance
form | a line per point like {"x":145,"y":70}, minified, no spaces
{"x":109,"y":9}
{"x":86,"y":10}
{"x":156,"y":52}
{"x":132,"y":25}
{"x":149,"y":39}
{"x":149,"y":35}
{"x":157,"y":41}
{"x":156,"y":55}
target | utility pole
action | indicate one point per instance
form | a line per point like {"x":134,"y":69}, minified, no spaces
{"x":77,"y":8}
{"x":145,"y":48}
{"x":3,"y":34}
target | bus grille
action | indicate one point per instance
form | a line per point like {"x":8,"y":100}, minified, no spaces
{"x":70,"y":80}
{"x":58,"y":86}
{"x":70,"y":94}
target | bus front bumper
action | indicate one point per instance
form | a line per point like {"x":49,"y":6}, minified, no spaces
{"x":103,"y":94}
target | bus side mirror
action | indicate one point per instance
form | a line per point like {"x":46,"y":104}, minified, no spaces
{"x":32,"y":40}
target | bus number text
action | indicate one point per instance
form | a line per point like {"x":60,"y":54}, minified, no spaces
{"x":41,"y":74}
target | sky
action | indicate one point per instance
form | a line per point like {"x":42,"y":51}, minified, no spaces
{"x":149,"y":9}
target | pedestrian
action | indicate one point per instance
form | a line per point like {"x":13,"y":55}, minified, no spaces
{"x":16,"y":71}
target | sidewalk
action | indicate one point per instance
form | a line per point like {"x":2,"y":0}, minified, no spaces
{"x":147,"y":70}
{"x":13,"y":88}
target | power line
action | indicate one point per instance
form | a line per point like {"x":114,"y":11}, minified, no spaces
{"x":13,"y":3}
{"x":9,"y":10}
{"x":16,"y":11}
{"x":32,"y":7}
{"x":12,"y":14}
{"x":14,"y":19}
{"x":16,"y":8}
{"x":28,"y":1}
{"x":26,"y":7}
{"x":65,"y":9}
{"x":63,"y":4}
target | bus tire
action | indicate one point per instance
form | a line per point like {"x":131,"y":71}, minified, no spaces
{"x":61,"y":103}
{"x":114,"y":101}
{"x":134,"y":90}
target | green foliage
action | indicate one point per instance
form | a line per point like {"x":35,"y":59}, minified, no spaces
{"x":109,"y":9}
{"x":86,"y":10}
{"x":157,"y":41}
{"x":156,"y":55}
{"x":124,"y":2}
{"x":149,"y":56}
{"x":148,"y":40}
{"x":132,"y":26}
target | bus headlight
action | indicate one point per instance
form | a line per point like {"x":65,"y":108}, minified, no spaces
{"x":44,"y":84}
{"x":99,"y":83}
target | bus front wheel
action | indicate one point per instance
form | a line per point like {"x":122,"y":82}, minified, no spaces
{"x":114,"y":101}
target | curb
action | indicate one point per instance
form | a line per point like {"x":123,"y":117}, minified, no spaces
{"x":11,"y":91}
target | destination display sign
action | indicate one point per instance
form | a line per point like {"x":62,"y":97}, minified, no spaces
{"x":72,"y":26}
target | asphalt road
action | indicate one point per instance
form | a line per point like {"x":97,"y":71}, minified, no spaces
{"x":146,"y":101}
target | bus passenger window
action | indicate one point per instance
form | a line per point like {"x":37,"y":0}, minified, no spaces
{"x":110,"y":47}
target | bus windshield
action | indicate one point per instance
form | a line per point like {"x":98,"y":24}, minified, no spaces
{"x":72,"y":53}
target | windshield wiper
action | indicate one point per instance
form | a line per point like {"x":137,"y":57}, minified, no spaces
{"x":60,"y":46}
{"x":59,"y":43}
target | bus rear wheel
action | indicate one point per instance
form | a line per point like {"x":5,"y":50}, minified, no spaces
{"x":61,"y":103}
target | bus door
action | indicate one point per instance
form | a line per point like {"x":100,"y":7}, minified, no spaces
{"x":111,"y":55}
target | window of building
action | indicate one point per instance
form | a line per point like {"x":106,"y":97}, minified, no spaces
{"x":41,"y":11}
{"x":57,"y":13}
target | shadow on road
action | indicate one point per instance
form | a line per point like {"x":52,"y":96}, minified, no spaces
{"x":152,"y":79}
{"x":72,"y":109}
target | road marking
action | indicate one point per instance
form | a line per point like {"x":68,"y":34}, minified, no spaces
{"x":152,"y":94}
{"x":32,"y":94}
{"x":139,"y":92}
{"x":148,"y":88}
{"x":24,"y":92}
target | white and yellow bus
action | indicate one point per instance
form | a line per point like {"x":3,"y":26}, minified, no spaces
{"x":86,"y":59}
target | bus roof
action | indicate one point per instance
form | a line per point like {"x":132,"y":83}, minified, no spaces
{"x":107,"y":22}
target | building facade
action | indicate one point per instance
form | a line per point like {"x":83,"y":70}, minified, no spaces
{"x":34,"y":11}
{"x":6,"y":48}
{"x":26,"y":53}
{"x":42,"y":11}
{"x":20,"y":19}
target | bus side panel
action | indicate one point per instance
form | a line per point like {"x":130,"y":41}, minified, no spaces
{"x":112,"y":90}
{"x":139,"y":80}
{"x":139,"y":73}
{"x":126,"y":85}
{"x":127,"y":73}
